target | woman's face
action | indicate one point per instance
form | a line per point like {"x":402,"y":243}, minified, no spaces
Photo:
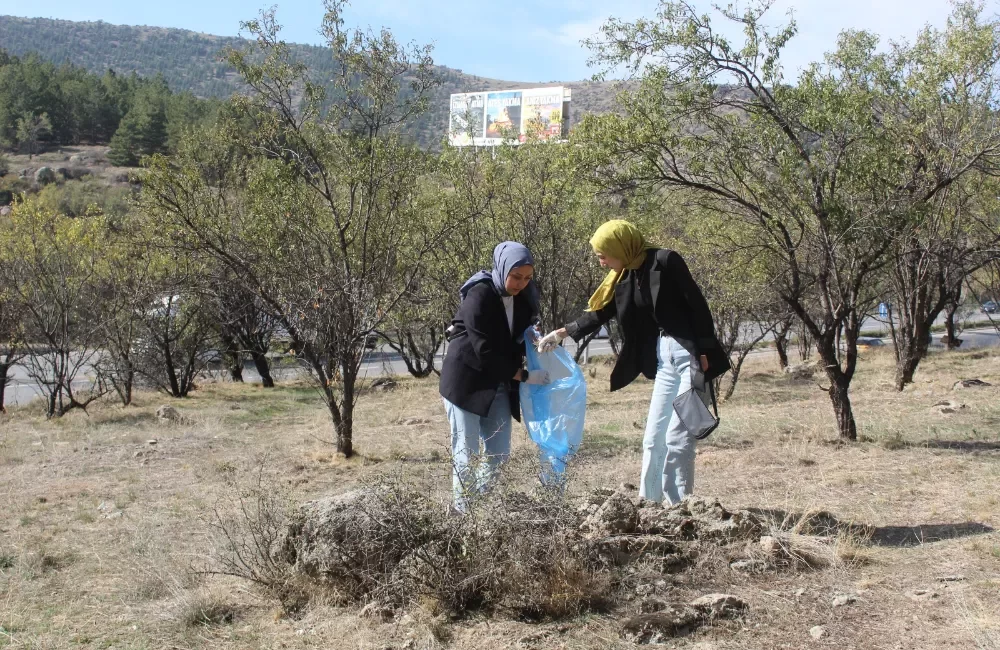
{"x":609,"y":262}
{"x":518,"y":279}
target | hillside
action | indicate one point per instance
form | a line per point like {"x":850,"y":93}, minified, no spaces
{"x":191,"y":61}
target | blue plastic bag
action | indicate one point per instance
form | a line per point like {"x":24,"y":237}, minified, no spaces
{"x":554,"y":413}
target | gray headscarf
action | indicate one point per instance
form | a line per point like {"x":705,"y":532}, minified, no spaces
{"x":507,"y":256}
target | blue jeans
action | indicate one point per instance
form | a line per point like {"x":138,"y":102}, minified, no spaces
{"x":668,"y":449}
{"x":467,"y":431}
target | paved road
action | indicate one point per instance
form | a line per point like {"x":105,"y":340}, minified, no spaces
{"x":385,"y":362}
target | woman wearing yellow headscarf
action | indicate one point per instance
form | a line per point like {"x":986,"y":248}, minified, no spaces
{"x":667,"y":334}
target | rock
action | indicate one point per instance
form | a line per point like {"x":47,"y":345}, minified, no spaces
{"x":922,"y":594}
{"x":384,"y":384}
{"x":817,"y":632}
{"x":801,"y":370}
{"x":167,"y":413}
{"x":749,"y":566}
{"x":655,"y":520}
{"x":341,"y":535}
{"x":652,"y":605}
{"x":151,"y":441}
{"x":109,"y":510}
{"x":721,"y":605}
{"x":970,"y":383}
{"x":842,"y":600}
{"x":623,"y":549}
{"x":45,"y":175}
{"x":947,"y":407}
{"x":616,"y":516}
{"x":699,"y":518}
{"x":715,"y":523}
{"x":674,"y":620}
{"x":599,"y":496}
{"x":955,"y":578}
{"x":5,"y":210}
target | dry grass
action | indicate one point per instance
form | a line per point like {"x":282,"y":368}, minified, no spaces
{"x":101,"y":531}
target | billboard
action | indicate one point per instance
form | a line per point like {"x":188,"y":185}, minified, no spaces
{"x":466,"y":120}
{"x":511,"y":116}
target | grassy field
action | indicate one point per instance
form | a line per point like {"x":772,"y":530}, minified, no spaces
{"x":105,"y":519}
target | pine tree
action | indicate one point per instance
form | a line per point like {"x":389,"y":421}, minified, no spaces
{"x":125,"y":143}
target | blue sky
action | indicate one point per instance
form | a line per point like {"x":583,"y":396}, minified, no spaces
{"x":516,"y":40}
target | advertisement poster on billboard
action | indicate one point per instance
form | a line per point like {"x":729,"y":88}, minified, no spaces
{"x":493,"y":118}
{"x":503,"y":114}
{"x":466,"y":122}
{"x":542,"y":114}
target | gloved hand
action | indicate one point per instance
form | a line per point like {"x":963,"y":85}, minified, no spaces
{"x":551,"y":341}
{"x":538,"y":377}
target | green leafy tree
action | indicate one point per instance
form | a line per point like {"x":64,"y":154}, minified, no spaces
{"x":819,"y":174}
{"x":51,"y":267}
{"x":320,"y":223}
{"x":31,"y":129}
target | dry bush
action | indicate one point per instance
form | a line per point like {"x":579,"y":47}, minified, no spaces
{"x":816,"y":539}
{"x":202,"y":609}
{"x":513,"y":552}
{"x":248,"y":523}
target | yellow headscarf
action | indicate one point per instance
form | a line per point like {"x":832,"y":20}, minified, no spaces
{"x":623,"y":241}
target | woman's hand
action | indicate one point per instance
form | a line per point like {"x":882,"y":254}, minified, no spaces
{"x":704,"y":363}
{"x":551,"y":341}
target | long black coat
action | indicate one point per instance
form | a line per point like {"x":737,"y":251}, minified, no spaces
{"x":681,"y":312}
{"x":488,"y":354}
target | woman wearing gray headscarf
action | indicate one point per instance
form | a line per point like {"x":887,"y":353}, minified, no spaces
{"x":480,"y":373}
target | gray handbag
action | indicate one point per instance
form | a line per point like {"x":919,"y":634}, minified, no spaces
{"x":692,"y":407}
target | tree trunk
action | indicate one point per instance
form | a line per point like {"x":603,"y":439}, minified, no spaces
{"x":263,"y":369}
{"x":842,"y":408}
{"x":951,"y":328}
{"x":127,"y":388}
{"x":840,"y":384}
{"x":910,"y":351}
{"x":174,"y":385}
{"x":804,"y":343}
{"x":781,"y":331}
{"x":233,"y":357}
{"x":4,"y":369}
{"x":580,"y":349}
{"x":343,"y":414}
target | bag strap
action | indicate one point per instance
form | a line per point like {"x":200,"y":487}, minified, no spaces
{"x":711,"y":392}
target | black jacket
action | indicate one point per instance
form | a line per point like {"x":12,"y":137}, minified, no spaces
{"x":488,"y":354}
{"x":681,"y":312}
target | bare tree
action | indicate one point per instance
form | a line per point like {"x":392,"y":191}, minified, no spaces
{"x":820,"y":174}
{"x":320,"y":222}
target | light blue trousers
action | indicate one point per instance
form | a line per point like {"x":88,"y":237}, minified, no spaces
{"x":468,"y":430}
{"x":668,"y":449}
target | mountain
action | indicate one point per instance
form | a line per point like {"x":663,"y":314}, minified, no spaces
{"x":191,"y":61}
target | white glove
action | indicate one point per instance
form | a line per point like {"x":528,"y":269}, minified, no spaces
{"x":550,"y":341}
{"x":538,"y":377}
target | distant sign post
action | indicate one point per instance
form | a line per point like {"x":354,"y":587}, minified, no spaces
{"x":508,"y":116}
